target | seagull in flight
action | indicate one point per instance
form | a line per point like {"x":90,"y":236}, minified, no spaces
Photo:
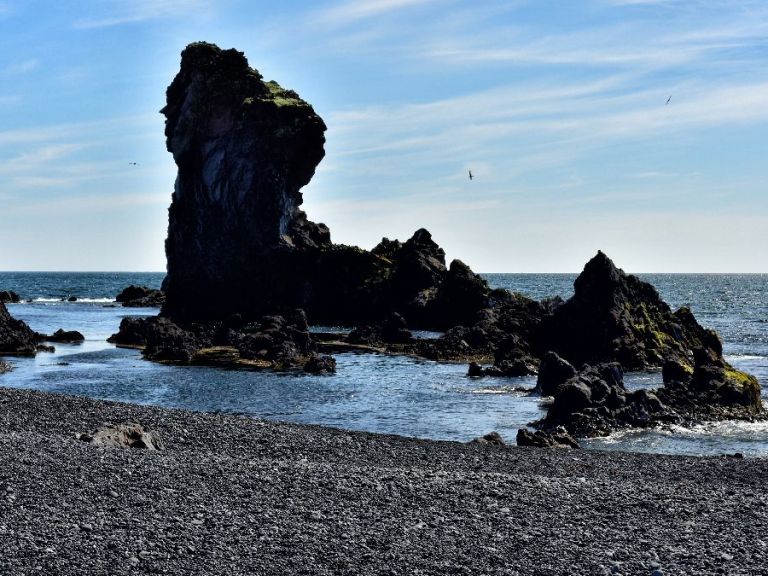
{"x":133,"y":163}
{"x":668,"y":99}
{"x":470,"y":175}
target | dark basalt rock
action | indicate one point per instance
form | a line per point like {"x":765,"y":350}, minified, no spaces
{"x":277,"y":342}
{"x":62,"y":336}
{"x":594,"y":401}
{"x":555,"y":438}
{"x":393,"y":330}
{"x":244,"y":148}
{"x":16,"y":338}
{"x":320,"y":364}
{"x":617,"y":317}
{"x":493,"y":438}
{"x":9,"y":297}
{"x":141,"y":297}
{"x":553,"y":371}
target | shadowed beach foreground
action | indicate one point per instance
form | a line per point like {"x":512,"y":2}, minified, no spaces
{"x":233,"y":495}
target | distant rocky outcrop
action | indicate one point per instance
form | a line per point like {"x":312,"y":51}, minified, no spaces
{"x":141,"y":297}
{"x":16,"y":338}
{"x":9,"y":297}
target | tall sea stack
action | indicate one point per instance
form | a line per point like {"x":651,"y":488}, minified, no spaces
{"x":244,"y":148}
{"x":238,"y":242}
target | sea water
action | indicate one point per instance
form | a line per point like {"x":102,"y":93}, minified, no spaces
{"x":373,"y":392}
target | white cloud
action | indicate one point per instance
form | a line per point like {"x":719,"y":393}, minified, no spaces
{"x":354,"y":11}
{"x":23,"y":66}
{"x":120,"y":12}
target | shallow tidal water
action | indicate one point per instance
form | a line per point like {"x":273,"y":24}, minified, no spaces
{"x":377,"y":393}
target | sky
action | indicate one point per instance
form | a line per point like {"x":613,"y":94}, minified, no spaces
{"x":636,"y":127}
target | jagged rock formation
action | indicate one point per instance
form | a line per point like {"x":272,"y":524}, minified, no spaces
{"x":593,"y":401}
{"x":9,"y":297}
{"x":16,"y":338}
{"x":275,"y":342}
{"x":616,"y":317}
{"x":237,"y":240}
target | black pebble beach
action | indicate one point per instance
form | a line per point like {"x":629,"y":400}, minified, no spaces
{"x":234,"y":495}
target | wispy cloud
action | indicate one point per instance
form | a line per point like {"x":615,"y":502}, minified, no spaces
{"x":120,"y":12}
{"x":354,"y":11}
{"x":23,"y":66}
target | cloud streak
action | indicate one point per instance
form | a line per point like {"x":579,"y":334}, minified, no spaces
{"x":122,"y":12}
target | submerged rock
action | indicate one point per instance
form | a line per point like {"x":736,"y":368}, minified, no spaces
{"x":16,"y":338}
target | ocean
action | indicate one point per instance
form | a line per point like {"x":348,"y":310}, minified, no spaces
{"x":376,"y":393}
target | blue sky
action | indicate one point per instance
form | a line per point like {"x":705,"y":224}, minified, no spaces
{"x":558,"y":108}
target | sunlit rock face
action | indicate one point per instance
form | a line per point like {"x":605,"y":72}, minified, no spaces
{"x":244,"y":148}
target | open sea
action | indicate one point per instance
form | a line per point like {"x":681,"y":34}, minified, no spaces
{"x":376,"y":393}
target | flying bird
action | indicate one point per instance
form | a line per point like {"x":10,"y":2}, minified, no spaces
{"x":470,"y":175}
{"x":133,"y":163}
{"x":668,"y":99}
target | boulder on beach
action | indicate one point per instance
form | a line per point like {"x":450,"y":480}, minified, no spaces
{"x":129,"y":435}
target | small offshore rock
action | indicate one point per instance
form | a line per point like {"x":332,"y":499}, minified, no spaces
{"x":63,"y":336}
{"x":141,"y":297}
{"x":123,"y":436}
{"x":9,"y":297}
{"x":320,"y":364}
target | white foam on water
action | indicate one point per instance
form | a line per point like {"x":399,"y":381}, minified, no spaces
{"x":83,"y":300}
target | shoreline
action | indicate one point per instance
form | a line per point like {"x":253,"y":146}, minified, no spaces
{"x":232,"y":494}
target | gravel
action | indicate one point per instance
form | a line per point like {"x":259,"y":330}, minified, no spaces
{"x":235,"y":495}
